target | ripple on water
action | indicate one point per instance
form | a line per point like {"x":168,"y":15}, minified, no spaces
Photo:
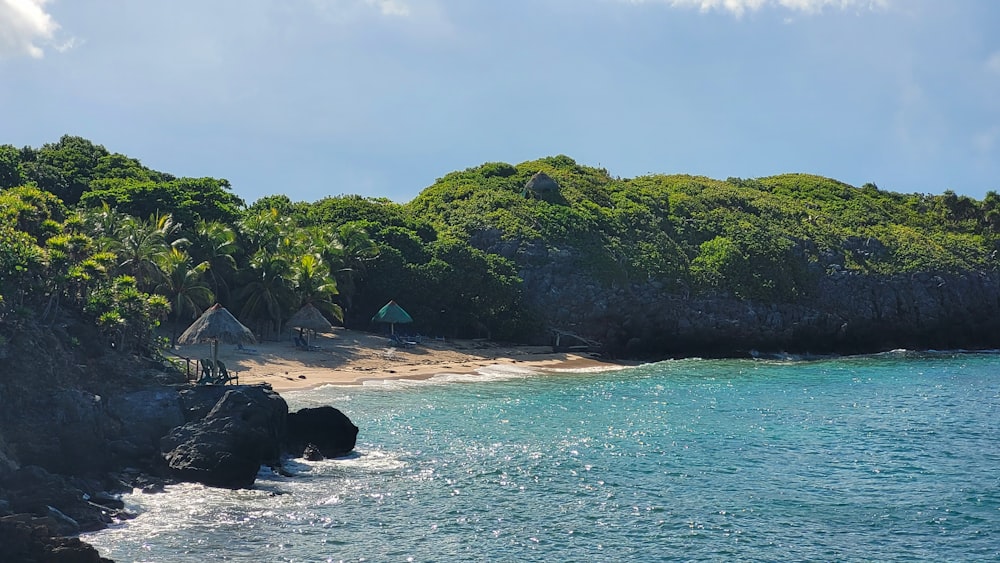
{"x":885,"y":458}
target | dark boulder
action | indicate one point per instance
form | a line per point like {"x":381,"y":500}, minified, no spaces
{"x":199,"y":400}
{"x":227,"y":447}
{"x":312,"y":453}
{"x":326,"y":428}
{"x":68,"y":503}
{"x":32,"y":488}
{"x":27,"y":538}
{"x":542,"y":183}
{"x":147,"y":415}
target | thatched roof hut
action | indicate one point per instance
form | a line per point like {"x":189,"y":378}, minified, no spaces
{"x":215,"y":325}
{"x":310,"y":318}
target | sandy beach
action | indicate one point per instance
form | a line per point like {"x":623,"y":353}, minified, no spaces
{"x":347,"y":357}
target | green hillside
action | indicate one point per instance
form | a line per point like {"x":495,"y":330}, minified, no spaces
{"x":764,"y":238}
{"x":94,"y":232}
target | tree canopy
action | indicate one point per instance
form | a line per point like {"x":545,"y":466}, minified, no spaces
{"x":131,"y":247}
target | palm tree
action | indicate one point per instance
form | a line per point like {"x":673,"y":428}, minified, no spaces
{"x":265,"y":230}
{"x":139,"y":244}
{"x":268,"y":292}
{"x":103,"y":225}
{"x":346,"y":253}
{"x":181,"y":282}
{"x":314,"y":285}
{"x":215,"y":243}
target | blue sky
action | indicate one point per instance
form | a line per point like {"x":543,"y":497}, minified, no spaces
{"x":380,"y":97}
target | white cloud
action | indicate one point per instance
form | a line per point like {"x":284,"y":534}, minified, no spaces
{"x":351,"y":10}
{"x":390,"y":7}
{"x":993,"y":63}
{"x":738,"y":7}
{"x":24,"y":25}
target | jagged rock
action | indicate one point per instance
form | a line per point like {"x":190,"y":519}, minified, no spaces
{"x":31,"y":539}
{"x":199,"y":400}
{"x":64,"y":525}
{"x":7,"y":463}
{"x":148,"y":415}
{"x":227,"y":447}
{"x":325,"y":427}
{"x":109,"y":500}
{"x":132,"y":479}
{"x":33,"y":490}
{"x":312,"y":453}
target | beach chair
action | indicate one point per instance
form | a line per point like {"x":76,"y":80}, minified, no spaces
{"x":206,"y":370}
{"x":301,"y":344}
{"x":400,"y":341}
{"x":221,"y":378}
{"x":224,"y":377}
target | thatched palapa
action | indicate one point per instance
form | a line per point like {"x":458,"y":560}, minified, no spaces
{"x":216,"y":324}
{"x":310,"y":318}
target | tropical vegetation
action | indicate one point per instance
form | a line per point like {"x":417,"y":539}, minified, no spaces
{"x":99,"y":234}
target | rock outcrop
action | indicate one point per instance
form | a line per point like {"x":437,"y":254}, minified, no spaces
{"x":843,"y":312}
{"x":72,"y":504}
{"x":541,"y":184}
{"x":326,"y":429}
{"x":146,"y":415}
{"x":226,"y":447}
{"x":25,"y":538}
{"x":78,"y":428}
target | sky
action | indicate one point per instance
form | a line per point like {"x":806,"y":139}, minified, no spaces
{"x":315,"y":98}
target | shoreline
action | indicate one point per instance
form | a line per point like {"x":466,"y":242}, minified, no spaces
{"x":350,"y":357}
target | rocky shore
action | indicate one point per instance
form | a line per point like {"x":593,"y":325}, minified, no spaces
{"x":837,"y":312}
{"x":73,"y":437}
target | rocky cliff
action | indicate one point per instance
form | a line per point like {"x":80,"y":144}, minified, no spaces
{"x":842,"y":312}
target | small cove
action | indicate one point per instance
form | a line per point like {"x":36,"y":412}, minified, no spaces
{"x":889,"y":457}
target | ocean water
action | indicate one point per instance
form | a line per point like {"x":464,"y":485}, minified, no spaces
{"x":894,"y":457}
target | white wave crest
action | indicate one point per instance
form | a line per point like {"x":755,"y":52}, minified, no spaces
{"x":491,"y":373}
{"x":591,"y":369}
{"x":369,"y":461}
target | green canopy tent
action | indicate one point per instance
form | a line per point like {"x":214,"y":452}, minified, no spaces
{"x":392,"y":313}
{"x":216,"y":324}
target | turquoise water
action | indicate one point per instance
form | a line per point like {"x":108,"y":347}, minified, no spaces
{"x":887,"y":458}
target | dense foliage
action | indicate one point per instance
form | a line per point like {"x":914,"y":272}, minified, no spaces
{"x":767,"y":238}
{"x":131,"y":247}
